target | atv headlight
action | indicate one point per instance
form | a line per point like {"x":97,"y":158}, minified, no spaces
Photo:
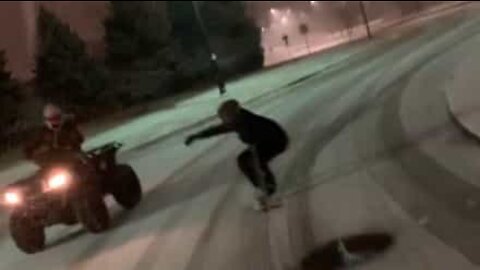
{"x":58,"y":180}
{"x":12,"y":198}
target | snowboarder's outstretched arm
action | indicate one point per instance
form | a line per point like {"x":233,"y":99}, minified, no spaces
{"x":209,"y":132}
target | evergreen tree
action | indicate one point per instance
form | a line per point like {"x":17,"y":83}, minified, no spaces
{"x":185,"y":27}
{"x":64,"y":72}
{"x":233,"y":37}
{"x":138,"y":52}
{"x":135,"y":30}
{"x":9,"y":94}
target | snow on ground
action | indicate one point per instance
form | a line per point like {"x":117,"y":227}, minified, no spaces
{"x":185,"y":113}
{"x":417,"y":248}
{"x":343,"y":173}
{"x":406,"y":148}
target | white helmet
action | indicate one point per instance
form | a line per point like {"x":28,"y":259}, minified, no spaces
{"x":53,"y":116}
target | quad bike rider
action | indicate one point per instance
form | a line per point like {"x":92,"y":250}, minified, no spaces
{"x":70,"y":185}
{"x":60,"y":134}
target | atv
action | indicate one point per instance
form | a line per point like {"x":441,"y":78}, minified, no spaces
{"x":69,"y":191}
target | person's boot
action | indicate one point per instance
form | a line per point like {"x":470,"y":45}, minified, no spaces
{"x":260,"y":200}
{"x":273,"y":201}
{"x":265,"y":202}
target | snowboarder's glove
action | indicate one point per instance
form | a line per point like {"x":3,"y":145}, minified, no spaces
{"x":190,"y":139}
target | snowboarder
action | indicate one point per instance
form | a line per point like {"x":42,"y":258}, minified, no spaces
{"x":265,"y":138}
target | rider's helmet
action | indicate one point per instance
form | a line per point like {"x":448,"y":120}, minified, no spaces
{"x":229,"y":110}
{"x":53,"y":116}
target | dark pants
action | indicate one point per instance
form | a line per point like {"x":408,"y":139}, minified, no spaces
{"x":221,"y":87}
{"x":246,"y":163}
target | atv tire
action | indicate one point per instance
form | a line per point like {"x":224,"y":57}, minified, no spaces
{"x":91,"y":211}
{"x":28,"y":235}
{"x":125,"y":187}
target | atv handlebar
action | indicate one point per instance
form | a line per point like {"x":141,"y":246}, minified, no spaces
{"x":105,"y":148}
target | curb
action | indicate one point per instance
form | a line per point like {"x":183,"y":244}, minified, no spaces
{"x":456,"y":118}
{"x":465,"y":131}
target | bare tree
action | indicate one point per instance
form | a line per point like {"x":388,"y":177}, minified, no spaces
{"x":304,"y":30}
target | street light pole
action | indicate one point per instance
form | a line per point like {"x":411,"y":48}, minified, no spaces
{"x":211,"y":54}
{"x":365,"y":18}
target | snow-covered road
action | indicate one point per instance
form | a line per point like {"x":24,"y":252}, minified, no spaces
{"x":353,"y":166}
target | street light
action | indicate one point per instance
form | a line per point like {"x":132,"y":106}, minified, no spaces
{"x":213,"y":56}
{"x":365,"y":19}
